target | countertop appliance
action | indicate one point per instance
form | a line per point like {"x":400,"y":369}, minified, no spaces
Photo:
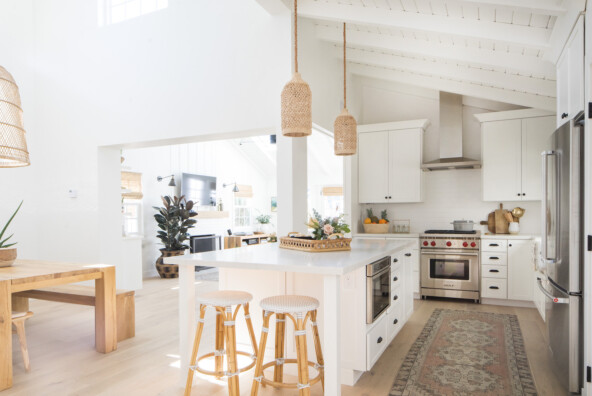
{"x":561,"y":250}
{"x":450,"y":264}
{"x":378,"y":288}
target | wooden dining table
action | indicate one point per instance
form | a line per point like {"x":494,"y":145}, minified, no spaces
{"x":35,"y":274}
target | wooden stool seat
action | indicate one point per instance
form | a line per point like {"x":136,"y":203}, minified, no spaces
{"x":222,"y":301}
{"x":299,"y":309}
{"x":18,"y":321}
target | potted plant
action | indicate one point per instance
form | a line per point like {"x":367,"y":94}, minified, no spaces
{"x":7,"y":251}
{"x":174,"y":220}
{"x":265,"y":226}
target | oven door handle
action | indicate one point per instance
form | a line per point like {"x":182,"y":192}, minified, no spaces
{"x":452,"y":253}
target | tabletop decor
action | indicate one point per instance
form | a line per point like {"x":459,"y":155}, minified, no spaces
{"x":296,"y":97}
{"x":264,"y":224}
{"x":345,"y":127}
{"x":13,"y":145}
{"x":7,"y":251}
{"x":174,"y":220}
{"x":374,"y":225}
{"x":327,"y":235}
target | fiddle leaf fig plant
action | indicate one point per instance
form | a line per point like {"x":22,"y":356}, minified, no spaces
{"x":4,"y":242}
{"x":174,"y":220}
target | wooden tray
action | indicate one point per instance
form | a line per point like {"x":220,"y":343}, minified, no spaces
{"x":307,"y":244}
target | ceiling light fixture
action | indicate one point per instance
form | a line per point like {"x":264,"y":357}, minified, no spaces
{"x":13,"y":145}
{"x":171,"y":182}
{"x":345,"y":126}
{"x":235,"y":188}
{"x":296,"y":97}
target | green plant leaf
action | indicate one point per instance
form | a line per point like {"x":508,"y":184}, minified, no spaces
{"x":10,"y":220}
{"x":9,"y":245}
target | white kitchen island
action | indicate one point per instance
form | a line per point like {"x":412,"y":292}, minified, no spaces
{"x":264,"y":270}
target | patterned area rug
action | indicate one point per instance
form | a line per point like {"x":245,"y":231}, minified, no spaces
{"x":466,"y":353}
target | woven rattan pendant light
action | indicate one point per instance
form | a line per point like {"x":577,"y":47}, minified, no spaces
{"x":345,"y":126}
{"x":13,"y":146}
{"x":296,"y":97}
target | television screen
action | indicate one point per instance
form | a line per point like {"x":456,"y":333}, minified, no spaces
{"x":199,"y":188}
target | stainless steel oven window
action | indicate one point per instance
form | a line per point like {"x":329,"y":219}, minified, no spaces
{"x":442,"y":268}
{"x":378,"y":289}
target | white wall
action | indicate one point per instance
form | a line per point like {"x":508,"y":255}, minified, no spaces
{"x":448,"y":195}
{"x":196,"y":68}
{"x":222,"y":159}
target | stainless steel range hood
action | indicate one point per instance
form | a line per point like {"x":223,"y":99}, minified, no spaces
{"x":451,"y":137}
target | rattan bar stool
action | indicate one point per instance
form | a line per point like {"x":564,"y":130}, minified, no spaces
{"x":299,"y":309}
{"x":223,"y":301}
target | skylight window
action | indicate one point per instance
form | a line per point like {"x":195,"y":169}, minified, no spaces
{"x":115,"y":11}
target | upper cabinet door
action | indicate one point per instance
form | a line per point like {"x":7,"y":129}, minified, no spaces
{"x":536,"y":138}
{"x":501,"y":157}
{"x":373,"y":164}
{"x":562,"y":89}
{"x":575,"y":48}
{"x":405,"y":174}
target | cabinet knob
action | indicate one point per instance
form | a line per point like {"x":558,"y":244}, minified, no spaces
{"x":379,"y":340}
{"x":518,"y":194}
{"x":395,"y":321}
{"x":408,"y":254}
{"x":390,"y":197}
{"x":385,"y":197}
{"x":395,"y":260}
{"x":395,"y":298}
{"x":510,"y":245}
{"x":493,"y":270}
{"x":523,"y":194}
{"x":494,"y":287}
{"x":395,"y":279}
{"x":563,"y":115}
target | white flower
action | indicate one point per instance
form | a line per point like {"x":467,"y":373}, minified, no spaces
{"x":328,"y":229}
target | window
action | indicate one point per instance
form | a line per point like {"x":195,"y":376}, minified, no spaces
{"x":242,"y":212}
{"x":114,"y":11}
{"x":332,"y":201}
{"x":132,"y":217}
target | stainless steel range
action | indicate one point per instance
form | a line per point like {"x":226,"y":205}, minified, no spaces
{"x":450,"y":264}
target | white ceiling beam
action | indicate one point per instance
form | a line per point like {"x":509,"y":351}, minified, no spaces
{"x":454,"y":71}
{"x":542,"y":7}
{"x":507,"y":60}
{"x":458,"y":87}
{"x":274,"y":7}
{"x":501,"y":32}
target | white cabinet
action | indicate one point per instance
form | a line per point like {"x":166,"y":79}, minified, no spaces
{"x":511,"y":154}
{"x":520,"y":270}
{"x":570,"y":75}
{"x":389,"y":162}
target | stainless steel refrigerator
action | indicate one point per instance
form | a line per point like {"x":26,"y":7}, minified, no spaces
{"x":562,"y":250}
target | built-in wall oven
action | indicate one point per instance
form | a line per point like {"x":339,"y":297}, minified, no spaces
{"x":378,"y":288}
{"x":450,"y":266}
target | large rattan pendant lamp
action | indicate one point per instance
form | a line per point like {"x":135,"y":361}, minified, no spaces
{"x":296,"y":97}
{"x":345,"y":126}
{"x":13,"y":146}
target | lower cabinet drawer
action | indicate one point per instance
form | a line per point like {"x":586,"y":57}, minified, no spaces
{"x":376,"y":342}
{"x":396,"y":278}
{"x":494,"y":271}
{"x":494,"y":245}
{"x":494,"y":288}
{"x":394,"y":320}
{"x":494,"y":258}
{"x":396,"y":294}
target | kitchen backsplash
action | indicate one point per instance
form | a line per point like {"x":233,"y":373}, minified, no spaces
{"x":454,"y":195}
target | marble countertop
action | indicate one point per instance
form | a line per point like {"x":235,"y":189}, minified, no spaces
{"x":390,"y":235}
{"x":271,"y":258}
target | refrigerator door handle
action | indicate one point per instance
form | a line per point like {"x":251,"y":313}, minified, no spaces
{"x":544,"y":245}
{"x":556,"y":300}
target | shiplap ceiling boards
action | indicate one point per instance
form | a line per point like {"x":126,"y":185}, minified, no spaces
{"x":501,"y":50}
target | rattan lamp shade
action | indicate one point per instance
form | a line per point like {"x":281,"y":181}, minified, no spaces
{"x":345,"y":128}
{"x":13,"y":146}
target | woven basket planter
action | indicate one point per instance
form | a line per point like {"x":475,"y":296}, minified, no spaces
{"x":296,"y":108}
{"x":168,"y":270}
{"x":345,"y":131}
{"x":7,"y":257}
{"x":307,"y":244}
{"x":13,"y":146}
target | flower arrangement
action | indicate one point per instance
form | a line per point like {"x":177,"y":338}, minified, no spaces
{"x":325,"y":227}
{"x":263,"y":219}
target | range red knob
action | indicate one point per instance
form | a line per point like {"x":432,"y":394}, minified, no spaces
{"x":448,"y":243}
{"x":473,"y":244}
{"x":433,"y":243}
{"x":425,"y":243}
{"x":465,"y":244}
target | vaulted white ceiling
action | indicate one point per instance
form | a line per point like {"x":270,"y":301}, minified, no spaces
{"x":502,"y":50}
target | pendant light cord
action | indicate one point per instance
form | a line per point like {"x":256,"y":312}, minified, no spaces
{"x":344,"y":75}
{"x":296,"y":35}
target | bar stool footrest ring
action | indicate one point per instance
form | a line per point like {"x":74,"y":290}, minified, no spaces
{"x":220,"y":374}
{"x":293,"y":385}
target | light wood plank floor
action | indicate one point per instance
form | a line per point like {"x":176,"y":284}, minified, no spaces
{"x":64,"y":361}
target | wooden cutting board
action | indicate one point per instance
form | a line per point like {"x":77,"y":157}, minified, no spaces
{"x":501,"y":223}
{"x":490,"y":223}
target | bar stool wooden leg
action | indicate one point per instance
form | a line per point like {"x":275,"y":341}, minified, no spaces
{"x":19,"y":325}
{"x":219,"y":345}
{"x":259,"y":367}
{"x":229,"y":330}
{"x":280,"y":336}
{"x":317,"y":344}
{"x":250,"y":328}
{"x":200,"y":326}
{"x":302,"y":356}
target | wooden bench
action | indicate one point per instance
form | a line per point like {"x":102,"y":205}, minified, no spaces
{"x":84,"y":295}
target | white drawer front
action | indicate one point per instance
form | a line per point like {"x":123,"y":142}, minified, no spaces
{"x":494,"y":288}
{"x":397,"y":262}
{"x":494,"y":271}
{"x":494,"y":245}
{"x":376,"y":342}
{"x":394,"y":321}
{"x":396,"y":277}
{"x":396,"y":294}
{"x":494,"y":258}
